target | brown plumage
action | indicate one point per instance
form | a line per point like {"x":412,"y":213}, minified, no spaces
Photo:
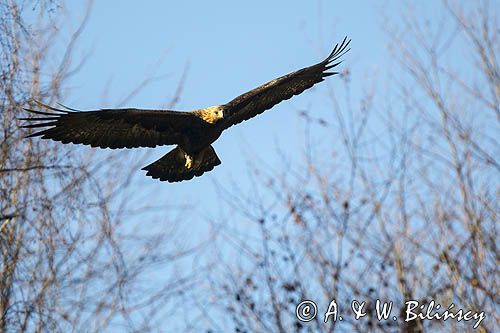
{"x":193,"y":131}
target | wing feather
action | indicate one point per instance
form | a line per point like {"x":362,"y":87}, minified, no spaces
{"x":114,"y":128}
{"x":271,"y":93}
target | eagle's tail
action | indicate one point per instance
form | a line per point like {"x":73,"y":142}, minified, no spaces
{"x":177,"y":166}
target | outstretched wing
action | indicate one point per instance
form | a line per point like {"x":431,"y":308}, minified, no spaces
{"x":267,"y":95}
{"x":114,"y":128}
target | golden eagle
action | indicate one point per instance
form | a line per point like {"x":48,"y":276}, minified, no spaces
{"x":193,"y":132}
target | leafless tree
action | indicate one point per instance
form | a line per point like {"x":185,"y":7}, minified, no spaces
{"x":397,"y":198}
{"x":69,"y":262}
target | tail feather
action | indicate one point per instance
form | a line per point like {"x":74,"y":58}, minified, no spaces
{"x":173,"y":167}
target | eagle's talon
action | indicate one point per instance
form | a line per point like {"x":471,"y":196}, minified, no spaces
{"x":189,"y":161}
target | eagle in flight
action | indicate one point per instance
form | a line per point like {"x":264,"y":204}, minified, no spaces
{"x":193,"y":132}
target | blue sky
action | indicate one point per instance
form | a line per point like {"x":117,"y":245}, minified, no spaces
{"x":228,"y":48}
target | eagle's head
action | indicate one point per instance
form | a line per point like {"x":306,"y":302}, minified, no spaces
{"x":212,"y":114}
